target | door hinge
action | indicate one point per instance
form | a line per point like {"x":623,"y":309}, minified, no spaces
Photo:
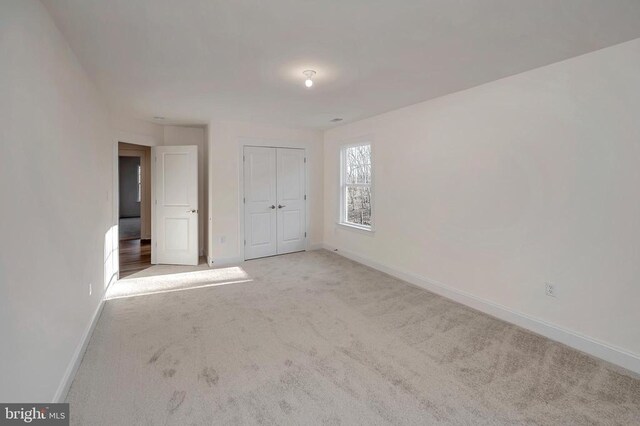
{"x":305,"y":196}
{"x":305,"y":235}
{"x":244,"y":200}
{"x":243,"y":157}
{"x":245,"y":242}
{"x":305,"y":159}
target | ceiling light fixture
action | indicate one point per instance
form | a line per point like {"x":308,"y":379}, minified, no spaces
{"x":309,"y":74}
{"x":157,"y":117}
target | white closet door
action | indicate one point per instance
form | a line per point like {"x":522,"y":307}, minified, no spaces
{"x":291,"y":223}
{"x":260,"y":202}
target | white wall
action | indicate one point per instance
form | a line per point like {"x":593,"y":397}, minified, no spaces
{"x":225,"y":196}
{"x":180,"y":135}
{"x":138,"y":132}
{"x":494,"y":190}
{"x":56,"y":190}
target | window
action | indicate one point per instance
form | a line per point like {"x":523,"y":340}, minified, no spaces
{"x":139,"y":183}
{"x":355,"y":205}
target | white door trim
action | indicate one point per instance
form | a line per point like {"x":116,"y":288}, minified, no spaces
{"x":265,"y":144}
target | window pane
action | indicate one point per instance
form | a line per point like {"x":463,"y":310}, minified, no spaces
{"x":139,"y":184}
{"x":358,"y":164}
{"x":358,"y":204}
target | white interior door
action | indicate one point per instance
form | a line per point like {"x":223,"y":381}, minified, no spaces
{"x":291,"y":223}
{"x":259,"y":202}
{"x":176,"y":205}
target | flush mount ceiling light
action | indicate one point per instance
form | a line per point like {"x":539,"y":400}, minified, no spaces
{"x":309,"y":74}
{"x":158,"y":117}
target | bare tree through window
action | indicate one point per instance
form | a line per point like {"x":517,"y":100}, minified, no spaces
{"x":356,"y":185}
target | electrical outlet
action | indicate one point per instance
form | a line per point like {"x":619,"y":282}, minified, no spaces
{"x":550,"y":289}
{"x":90,"y":289}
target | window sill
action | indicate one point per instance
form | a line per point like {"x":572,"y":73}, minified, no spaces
{"x":356,"y":228}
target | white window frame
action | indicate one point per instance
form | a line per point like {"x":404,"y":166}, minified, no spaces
{"x":139,"y":198}
{"x":342,"y":214}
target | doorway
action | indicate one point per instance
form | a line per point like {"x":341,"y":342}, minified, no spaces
{"x":134,"y":208}
{"x":274,"y":201}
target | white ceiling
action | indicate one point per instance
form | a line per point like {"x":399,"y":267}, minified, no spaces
{"x":197,"y":60}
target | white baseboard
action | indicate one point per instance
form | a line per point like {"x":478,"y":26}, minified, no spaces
{"x":228,"y":261}
{"x":570,"y":338}
{"x":225,"y":261}
{"x":72,"y":368}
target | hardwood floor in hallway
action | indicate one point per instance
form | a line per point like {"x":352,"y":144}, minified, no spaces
{"x":135,"y":256}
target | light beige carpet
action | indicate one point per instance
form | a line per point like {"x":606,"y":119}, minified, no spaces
{"x":313,"y":338}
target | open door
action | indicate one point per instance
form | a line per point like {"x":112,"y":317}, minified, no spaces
{"x":175,"y":205}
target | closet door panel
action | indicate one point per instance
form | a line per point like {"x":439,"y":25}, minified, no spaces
{"x":260,"y":189}
{"x":291,"y":193}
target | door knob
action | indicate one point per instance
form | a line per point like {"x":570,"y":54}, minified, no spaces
{"x":281,"y":206}
{"x":192,"y":211}
{"x":272,"y":207}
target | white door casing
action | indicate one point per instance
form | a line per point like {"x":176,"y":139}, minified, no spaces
{"x":176,"y":205}
{"x":260,"y":202}
{"x":291,"y":223}
{"x":274,"y":201}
